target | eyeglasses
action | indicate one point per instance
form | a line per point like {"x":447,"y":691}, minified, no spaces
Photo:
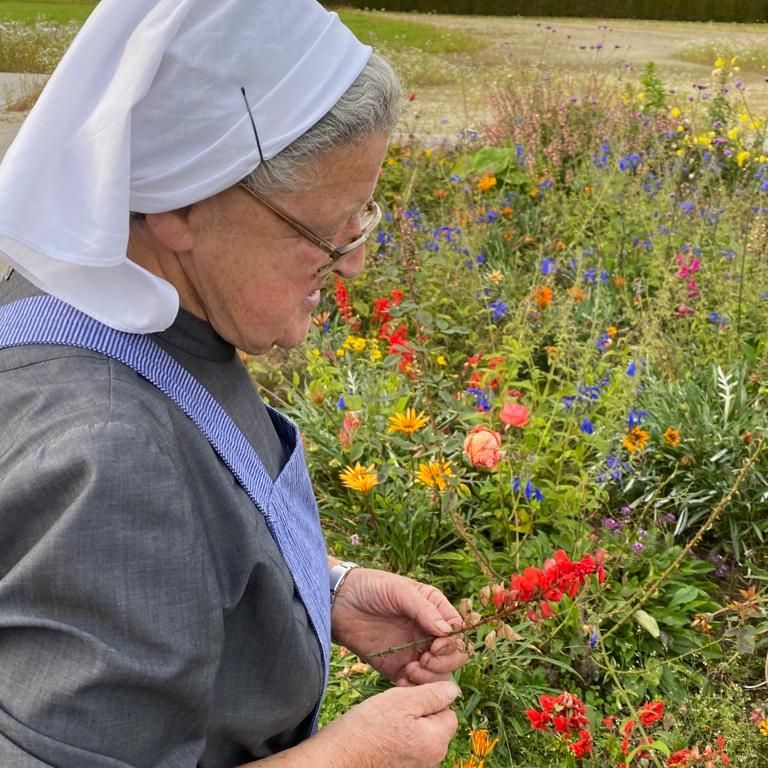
{"x":370,"y":216}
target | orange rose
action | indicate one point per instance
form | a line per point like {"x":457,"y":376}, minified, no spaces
{"x":514,"y":414}
{"x":482,"y":446}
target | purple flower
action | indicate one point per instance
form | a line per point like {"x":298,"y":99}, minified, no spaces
{"x":611,"y":524}
{"x":638,"y":546}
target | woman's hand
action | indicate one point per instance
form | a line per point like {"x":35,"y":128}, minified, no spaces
{"x":400,"y":728}
{"x":376,"y":610}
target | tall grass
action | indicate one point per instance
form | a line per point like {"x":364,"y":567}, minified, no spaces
{"x":59,"y":12}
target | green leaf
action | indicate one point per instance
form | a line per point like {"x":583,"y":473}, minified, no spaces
{"x":684,"y":595}
{"x":647,"y":622}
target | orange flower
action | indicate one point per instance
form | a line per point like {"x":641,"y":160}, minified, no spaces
{"x":514,"y":414}
{"x":635,"y":439}
{"x":481,"y":446}
{"x":435,"y":474}
{"x":488,"y":181}
{"x":672,"y":436}
{"x":440,"y":194}
{"x":576,"y":293}
{"x":481,"y":743}
{"x":543,"y":296}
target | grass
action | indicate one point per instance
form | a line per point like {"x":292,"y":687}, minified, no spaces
{"x":752,"y":57}
{"x":59,"y":12}
{"x":403,"y":36}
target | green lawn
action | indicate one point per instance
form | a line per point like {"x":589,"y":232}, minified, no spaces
{"x":62,"y":12}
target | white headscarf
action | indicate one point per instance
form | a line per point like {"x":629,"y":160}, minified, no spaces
{"x":145,"y":113}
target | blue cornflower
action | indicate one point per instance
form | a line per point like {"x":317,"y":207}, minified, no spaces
{"x":717,"y":319}
{"x":594,"y":638}
{"x":590,"y":276}
{"x":688,"y":207}
{"x":532,"y":492}
{"x":498,"y":309}
{"x":635,"y":418}
{"x":603,"y":342}
{"x":480,"y":258}
{"x":548,"y":266}
{"x":341,"y":403}
{"x":568,"y":402}
{"x":481,"y":398}
{"x":587,"y":427}
{"x":454,"y":178}
{"x":631,"y":368}
{"x":520,"y":154}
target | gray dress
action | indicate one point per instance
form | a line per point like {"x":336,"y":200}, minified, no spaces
{"x":146,"y":616}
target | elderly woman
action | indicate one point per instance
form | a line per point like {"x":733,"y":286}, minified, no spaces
{"x":189,"y":178}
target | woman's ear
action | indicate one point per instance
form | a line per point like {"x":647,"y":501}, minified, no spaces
{"x":172,"y":229}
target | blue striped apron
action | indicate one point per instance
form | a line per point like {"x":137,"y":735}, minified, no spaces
{"x":288,"y":505}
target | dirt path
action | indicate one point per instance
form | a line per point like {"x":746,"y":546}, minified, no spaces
{"x":619,"y":48}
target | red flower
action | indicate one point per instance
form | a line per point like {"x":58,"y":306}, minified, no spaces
{"x":514,"y":414}
{"x":651,"y":712}
{"x":342,"y":299}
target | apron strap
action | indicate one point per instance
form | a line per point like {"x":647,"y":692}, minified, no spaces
{"x":295,"y":527}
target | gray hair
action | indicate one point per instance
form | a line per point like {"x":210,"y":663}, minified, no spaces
{"x":371,"y":105}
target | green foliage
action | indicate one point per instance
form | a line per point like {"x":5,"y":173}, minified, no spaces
{"x":51,"y":11}
{"x":722,"y":10}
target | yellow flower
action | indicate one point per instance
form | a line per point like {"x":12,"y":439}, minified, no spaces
{"x":635,"y":439}
{"x":732,"y":133}
{"x":427,"y":152}
{"x":440,"y":360}
{"x":675,"y":112}
{"x":719,"y":62}
{"x":496,"y":276}
{"x":354,"y":343}
{"x":471,"y":762}
{"x":612,"y":330}
{"x":482,"y":746}
{"x":764,"y":727}
{"x":742,"y":157}
{"x":672,"y":436}
{"x":359,"y":478}
{"x":408,"y":422}
{"x":486,"y":182}
{"x":434,"y":474}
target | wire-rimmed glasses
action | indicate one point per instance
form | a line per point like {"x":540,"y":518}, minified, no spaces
{"x":370,"y":216}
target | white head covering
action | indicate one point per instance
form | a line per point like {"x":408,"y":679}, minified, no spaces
{"x":145,"y":113}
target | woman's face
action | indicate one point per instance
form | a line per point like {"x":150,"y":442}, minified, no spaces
{"x":251,"y":275}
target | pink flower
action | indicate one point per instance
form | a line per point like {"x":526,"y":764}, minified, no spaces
{"x":482,"y":446}
{"x":514,"y":414}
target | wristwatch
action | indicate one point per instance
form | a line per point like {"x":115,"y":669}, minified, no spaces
{"x":337,"y":574}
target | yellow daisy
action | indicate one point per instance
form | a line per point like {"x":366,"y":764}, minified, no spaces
{"x":635,"y":439}
{"x":672,"y":436}
{"x":359,"y":478}
{"x":408,"y":422}
{"x":435,"y":474}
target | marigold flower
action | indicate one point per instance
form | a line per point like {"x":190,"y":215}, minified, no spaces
{"x":408,"y":422}
{"x":672,"y":436}
{"x":488,"y":181}
{"x":359,"y":478}
{"x":435,"y":474}
{"x":514,"y":414}
{"x":635,"y":439}
{"x":543,"y":295}
{"x":482,"y":447}
{"x":481,"y":743}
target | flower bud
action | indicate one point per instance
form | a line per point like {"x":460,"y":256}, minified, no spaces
{"x":485,"y":595}
{"x":490,"y":640}
{"x":465,"y":607}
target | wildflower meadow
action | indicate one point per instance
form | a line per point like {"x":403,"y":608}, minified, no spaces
{"x":547,"y":395}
